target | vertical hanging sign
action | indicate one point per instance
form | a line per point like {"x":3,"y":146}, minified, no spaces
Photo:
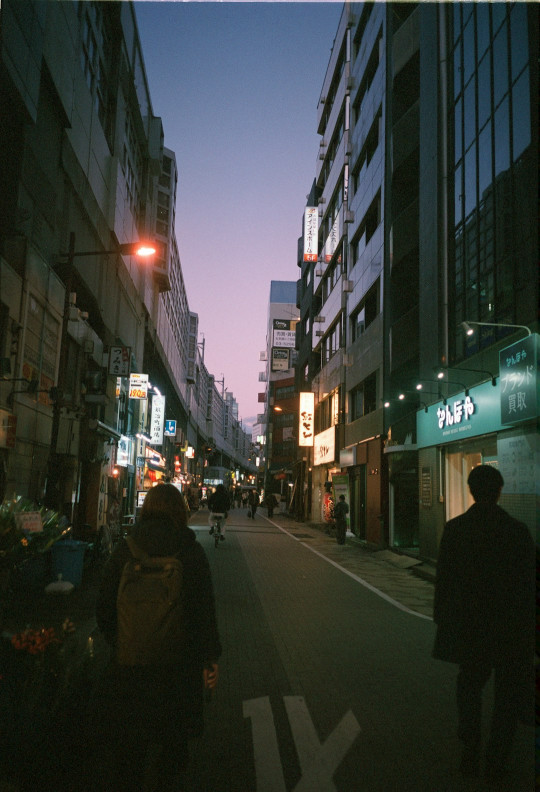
{"x":307,"y":409}
{"x":157,"y":423}
{"x":311,"y":233}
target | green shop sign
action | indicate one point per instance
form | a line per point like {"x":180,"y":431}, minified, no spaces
{"x":461,"y":417}
{"x":518,"y":367}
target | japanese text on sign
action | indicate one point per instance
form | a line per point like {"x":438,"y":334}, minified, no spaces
{"x":119,"y":361}
{"x":157,"y":424}
{"x":462,"y":409}
{"x":311,"y":233}
{"x":138,"y":386}
{"x":307,"y":409}
{"x":518,"y":366}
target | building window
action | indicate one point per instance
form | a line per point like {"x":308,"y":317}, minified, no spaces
{"x":492,"y":133}
{"x":363,"y":316}
{"x":368,"y":226}
{"x":363,"y":398}
{"x":368,"y":150}
{"x":368,"y":77}
{"x":327,"y":412}
{"x":332,"y":341}
{"x":285,"y":392}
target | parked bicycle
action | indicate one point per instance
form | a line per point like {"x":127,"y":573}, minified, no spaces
{"x":216,"y":521}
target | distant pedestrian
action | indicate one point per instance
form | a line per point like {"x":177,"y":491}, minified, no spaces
{"x":142,"y":705}
{"x":253,"y":502}
{"x":219,"y":503}
{"x":341,"y":510}
{"x":270,"y":502}
{"x":484,"y":610}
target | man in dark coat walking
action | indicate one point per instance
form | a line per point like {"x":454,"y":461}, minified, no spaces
{"x":484,"y":610}
{"x":341,"y":510}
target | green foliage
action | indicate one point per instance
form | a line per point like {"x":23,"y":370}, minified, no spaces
{"x":17,"y":544}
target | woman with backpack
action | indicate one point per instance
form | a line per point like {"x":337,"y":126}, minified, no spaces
{"x":150,"y":700}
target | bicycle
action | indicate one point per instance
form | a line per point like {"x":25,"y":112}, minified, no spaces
{"x":217,"y":518}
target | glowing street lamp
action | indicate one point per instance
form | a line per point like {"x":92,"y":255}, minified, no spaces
{"x":469,"y":330}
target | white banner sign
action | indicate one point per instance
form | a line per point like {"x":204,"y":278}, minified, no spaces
{"x":311,"y":233}
{"x":324,"y":447}
{"x":119,"y":361}
{"x":157,"y":423}
{"x":307,"y":411}
{"x":284,"y":333}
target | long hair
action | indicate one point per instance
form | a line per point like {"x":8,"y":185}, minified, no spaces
{"x":166,"y":502}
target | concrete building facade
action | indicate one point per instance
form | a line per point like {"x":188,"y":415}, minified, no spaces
{"x":426,"y":198}
{"x":84,"y":171}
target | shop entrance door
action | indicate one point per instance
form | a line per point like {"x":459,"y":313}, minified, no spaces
{"x":459,"y":464}
{"x":358,"y":503}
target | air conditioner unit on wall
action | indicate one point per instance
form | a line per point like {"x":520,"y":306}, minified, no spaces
{"x":349,"y":216}
{"x":348,"y":360}
{"x":319,"y":333}
{"x":348,"y":286}
{"x":319,"y":272}
{"x":318,"y":318}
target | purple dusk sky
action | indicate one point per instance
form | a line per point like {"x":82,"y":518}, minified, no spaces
{"x":237,"y":87}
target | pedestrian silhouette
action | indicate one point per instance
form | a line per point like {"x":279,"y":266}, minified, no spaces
{"x":152,"y":709}
{"x":484,"y":610}
{"x":341,"y":510}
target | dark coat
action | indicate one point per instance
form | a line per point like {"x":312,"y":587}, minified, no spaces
{"x":341,"y":510}
{"x":160,"y":697}
{"x":219,"y":501}
{"x":485,"y":588}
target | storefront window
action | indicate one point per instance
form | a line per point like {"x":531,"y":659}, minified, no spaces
{"x":459,"y":464}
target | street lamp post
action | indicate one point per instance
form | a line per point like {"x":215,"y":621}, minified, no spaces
{"x":52,"y":493}
{"x":466,"y":325}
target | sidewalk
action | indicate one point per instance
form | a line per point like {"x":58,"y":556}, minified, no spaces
{"x":404,"y":579}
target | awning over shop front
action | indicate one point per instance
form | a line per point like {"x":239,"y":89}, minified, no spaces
{"x":103,"y":429}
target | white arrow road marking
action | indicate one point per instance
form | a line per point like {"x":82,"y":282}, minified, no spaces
{"x":268,"y":771}
{"x":318,"y":762}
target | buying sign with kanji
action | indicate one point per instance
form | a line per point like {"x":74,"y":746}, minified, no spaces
{"x":518,"y":368}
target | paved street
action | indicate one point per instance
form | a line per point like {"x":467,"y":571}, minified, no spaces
{"x":327,"y":682}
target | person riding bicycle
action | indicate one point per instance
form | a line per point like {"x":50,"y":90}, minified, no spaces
{"x":219,"y":503}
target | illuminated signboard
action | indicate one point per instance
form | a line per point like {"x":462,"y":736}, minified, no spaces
{"x":518,"y":367}
{"x":311,"y":233}
{"x":157,"y":423}
{"x":324,"y":447}
{"x":307,"y":411}
{"x":138,"y":386}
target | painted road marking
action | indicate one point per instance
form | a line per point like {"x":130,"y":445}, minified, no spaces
{"x":268,"y":771}
{"x":318,"y":762}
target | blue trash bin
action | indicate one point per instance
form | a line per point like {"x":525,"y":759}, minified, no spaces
{"x":68,"y":560}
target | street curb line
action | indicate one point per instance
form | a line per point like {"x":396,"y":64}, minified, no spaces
{"x":358,"y":579}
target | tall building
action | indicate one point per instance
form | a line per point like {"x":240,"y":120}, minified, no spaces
{"x":422,"y":216}
{"x":280,"y":418}
{"x":83,"y":174}
{"x":340,"y":292}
